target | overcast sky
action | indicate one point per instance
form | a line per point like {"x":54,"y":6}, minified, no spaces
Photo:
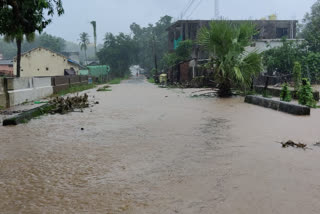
{"x":116,"y":15}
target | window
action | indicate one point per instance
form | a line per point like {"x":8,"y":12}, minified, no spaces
{"x":282,"y":32}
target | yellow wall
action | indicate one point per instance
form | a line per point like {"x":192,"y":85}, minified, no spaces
{"x":42,"y":62}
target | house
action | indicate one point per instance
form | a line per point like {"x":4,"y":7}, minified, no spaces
{"x":41,"y":62}
{"x":6,"y":67}
{"x":270,"y":33}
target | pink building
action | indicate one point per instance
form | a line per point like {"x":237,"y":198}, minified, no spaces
{"x":6,"y":68}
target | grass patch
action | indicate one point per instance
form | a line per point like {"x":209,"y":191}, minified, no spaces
{"x":118,"y":80}
{"x":151,"y":80}
{"x":75,"y":89}
{"x":1,"y":107}
{"x":115,"y":81}
{"x":104,"y":89}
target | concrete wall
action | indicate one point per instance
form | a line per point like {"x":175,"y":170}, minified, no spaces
{"x":26,"y":89}
{"x":278,"y":105}
{"x":3,"y":99}
{"x":43,"y":62}
{"x":61,"y":83}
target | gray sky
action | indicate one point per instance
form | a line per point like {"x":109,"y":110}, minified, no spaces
{"x":116,"y":15}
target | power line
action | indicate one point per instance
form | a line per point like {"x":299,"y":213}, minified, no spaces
{"x":194,"y":9}
{"x":191,"y":2}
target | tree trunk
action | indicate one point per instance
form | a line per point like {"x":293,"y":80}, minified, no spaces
{"x":225,"y":89}
{"x":18,"y":41}
{"x":85,"y":56}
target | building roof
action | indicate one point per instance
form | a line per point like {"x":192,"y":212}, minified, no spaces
{"x":25,"y":53}
{"x":207,"y":21}
{"x":76,"y":63}
{"x":6,"y":62}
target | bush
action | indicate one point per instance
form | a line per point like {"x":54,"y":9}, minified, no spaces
{"x":285,"y":93}
{"x":297,"y":75}
{"x":305,"y":94}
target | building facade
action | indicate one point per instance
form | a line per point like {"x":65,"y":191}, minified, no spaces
{"x":269,"y":31}
{"x":40,"y":62}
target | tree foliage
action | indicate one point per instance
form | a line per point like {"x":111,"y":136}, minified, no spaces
{"x":182,"y":53}
{"x":84,"y":42}
{"x":285,"y":94}
{"x":297,"y":75}
{"x":311,"y":29}
{"x":305,"y":94}
{"x":226,"y":43}
{"x":151,"y":40}
{"x":22,"y":18}
{"x":119,"y":52}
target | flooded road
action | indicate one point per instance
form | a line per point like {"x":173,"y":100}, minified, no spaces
{"x":150,"y":150}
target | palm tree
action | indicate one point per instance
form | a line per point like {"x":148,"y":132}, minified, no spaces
{"x":94,"y":25}
{"x":84,"y":41}
{"x":18,"y":38}
{"x":232,"y":65}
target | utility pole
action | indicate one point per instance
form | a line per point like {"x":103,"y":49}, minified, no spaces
{"x":216,"y":9}
{"x":155,"y":55}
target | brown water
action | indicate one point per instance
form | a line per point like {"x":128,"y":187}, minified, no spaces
{"x":142,"y":152}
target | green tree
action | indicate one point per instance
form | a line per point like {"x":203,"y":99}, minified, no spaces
{"x":19,"y":18}
{"x":182,"y":53}
{"x":148,"y":38}
{"x":297,"y":75}
{"x":226,"y":43}
{"x":305,"y":94}
{"x":84,"y":42}
{"x":311,"y":29}
{"x":281,"y":59}
{"x":94,"y":25}
{"x":285,"y":94}
{"x":119,"y":52}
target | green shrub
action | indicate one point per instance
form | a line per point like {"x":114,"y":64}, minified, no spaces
{"x":285,"y":93}
{"x":305,"y":94}
{"x":297,"y":75}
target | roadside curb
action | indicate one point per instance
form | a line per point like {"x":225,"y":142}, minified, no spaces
{"x":278,"y":105}
{"x":28,"y":115}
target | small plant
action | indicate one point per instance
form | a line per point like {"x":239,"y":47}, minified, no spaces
{"x":297,"y":75}
{"x":151,"y":80}
{"x":266,"y":94}
{"x":285,"y":93}
{"x":305,"y":94}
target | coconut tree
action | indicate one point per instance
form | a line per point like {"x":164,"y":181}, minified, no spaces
{"x":232,"y":65}
{"x":22,"y":18}
{"x":18,"y":38}
{"x":84,"y":41}
{"x":94,"y":25}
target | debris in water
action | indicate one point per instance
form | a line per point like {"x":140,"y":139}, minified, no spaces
{"x":317,"y":144}
{"x":290,"y":143}
{"x":69,"y":104}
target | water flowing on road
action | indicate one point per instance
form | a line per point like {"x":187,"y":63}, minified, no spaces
{"x":146,"y":149}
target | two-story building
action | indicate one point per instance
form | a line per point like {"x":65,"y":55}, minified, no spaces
{"x":270,"y":32}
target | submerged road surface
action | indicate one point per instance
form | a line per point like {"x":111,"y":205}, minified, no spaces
{"x":150,"y":150}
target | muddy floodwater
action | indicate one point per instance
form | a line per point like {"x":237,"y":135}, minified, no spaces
{"x":146,"y":149}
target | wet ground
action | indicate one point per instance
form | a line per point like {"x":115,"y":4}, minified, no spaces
{"x":150,"y":150}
